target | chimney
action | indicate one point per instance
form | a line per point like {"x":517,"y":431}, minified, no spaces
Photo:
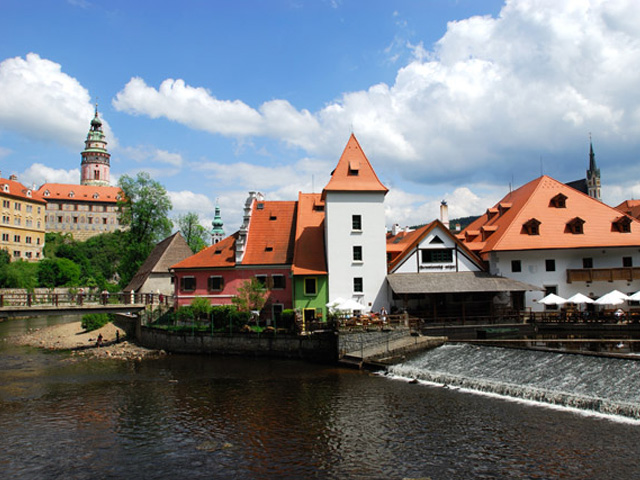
{"x":444,"y":213}
{"x":14,"y":178}
{"x":395,"y":229}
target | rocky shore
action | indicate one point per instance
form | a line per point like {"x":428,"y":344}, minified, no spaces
{"x":72,"y":337}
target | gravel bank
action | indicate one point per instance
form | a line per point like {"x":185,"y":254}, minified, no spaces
{"x":71,"y":336}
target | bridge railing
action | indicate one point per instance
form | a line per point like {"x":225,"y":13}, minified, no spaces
{"x":81,"y":298}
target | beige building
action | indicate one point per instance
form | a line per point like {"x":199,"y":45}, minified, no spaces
{"x":22,"y":227}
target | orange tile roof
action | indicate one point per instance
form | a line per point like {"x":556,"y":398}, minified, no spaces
{"x":505,"y":231}
{"x":630,"y":207}
{"x":81,"y":193}
{"x":13,"y":188}
{"x":309,"y":254}
{"x":403,"y":243}
{"x":354,"y":172}
{"x":220,"y":255}
{"x":271,"y":233}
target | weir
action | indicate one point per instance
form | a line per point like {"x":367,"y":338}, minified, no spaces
{"x":603,"y":385}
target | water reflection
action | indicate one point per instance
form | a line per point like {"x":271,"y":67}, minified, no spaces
{"x":218,"y":417}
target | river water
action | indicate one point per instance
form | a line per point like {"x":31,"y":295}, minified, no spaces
{"x":226,"y":418}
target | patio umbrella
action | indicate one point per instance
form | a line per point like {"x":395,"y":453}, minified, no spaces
{"x":615,"y":297}
{"x":579,"y":299}
{"x":350,"y":305}
{"x":335,"y":303}
{"x":552,"y":299}
{"x":635,"y":297}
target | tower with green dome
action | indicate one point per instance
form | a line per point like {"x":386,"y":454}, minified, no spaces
{"x":217,"y":232}
{"x":95,"y":164}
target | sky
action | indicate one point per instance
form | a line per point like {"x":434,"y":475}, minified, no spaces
{"x":456,"y":100}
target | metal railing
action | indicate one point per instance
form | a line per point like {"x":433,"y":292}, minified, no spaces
{"x":80,"y":298}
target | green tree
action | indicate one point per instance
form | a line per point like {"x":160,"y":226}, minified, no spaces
{"x":19,"y":274}
{"x":144,"y":210}
{"x":201,"y":308}
{"x":58,"y":272}
{"x":251,"y":296}
{"x":195,"y":234}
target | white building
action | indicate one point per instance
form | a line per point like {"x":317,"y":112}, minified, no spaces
{"x":355,"y":231}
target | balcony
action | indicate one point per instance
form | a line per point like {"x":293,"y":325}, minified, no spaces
{"x":603,"y":274}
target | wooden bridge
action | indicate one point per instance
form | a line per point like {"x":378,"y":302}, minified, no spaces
{"x":79,"y":303}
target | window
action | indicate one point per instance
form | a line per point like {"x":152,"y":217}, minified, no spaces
{"x":310,"y":286}
{"x":627,"y":261}
{"x":276,"y":312}
{"x":559,"y":201}
{"x":6,"y":203}
{"x":215,"y":283}
{"x":357,"y":253}
{"x":262,"y":279}
{"x":358,"y":286}
{"x":279,"y":282}
{"x":439,"y":255}
{"x":356,"y":222}
{"x":575,"y":226}
{"x":5,"y":237}
{"x":17,"y":206}
{"x":587,"y":262}
{"x":29,"y":208}
{"x":516,"y":266}
{"x":531,"y":227}
{"x":16,"y":254}
{"x":16,"y":238}
{"x":622,"y":225}
{"x":28,"y":240}
{"x":551,"y":289}
{"x":188,"y":284}
{"x":550,"y":265}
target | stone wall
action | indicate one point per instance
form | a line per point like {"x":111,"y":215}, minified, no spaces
{"x":318,"y":346}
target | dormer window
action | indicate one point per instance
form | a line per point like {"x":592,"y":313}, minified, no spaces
{"x":29,"y":193}
{"x":6,"y":187}
{"x":354,"y":168}
{"x":491,"y":213}
{"x":95,"y":195}
{"x":503,"y":207}
{"x":71,"y":194}
{"x":559,"y":201}
{"x":487,"y":230}
{"x":575,"y":226}
{"x":531,"y":227}
{"x":622,"y":225}
{"x":273,"y":217}
{"x":46,"y":193}
{"x":260,"y":206}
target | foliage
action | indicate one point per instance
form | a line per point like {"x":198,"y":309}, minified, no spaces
{"x":144,"y":210}
{"x":58,"y":272}
{"x":19,"y":274}
{"x":194,"y":234}
{"x":5,"y":257}
{"x":228,"y":316}
{"x":251,"y":296}
{"x":201,"y":308}
{"x":288,"y":319}
{"x":94,"y":321}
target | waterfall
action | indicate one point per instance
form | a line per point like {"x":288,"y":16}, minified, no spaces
{"x":603,"y":385}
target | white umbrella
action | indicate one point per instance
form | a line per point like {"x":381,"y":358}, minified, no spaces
{"x":552,"y":299}
{"x":635,"y":297}
{"x":334,"y":304}
{"x":615,"y":297}
{"x":579,"y":299}
{"x":350,"y":305}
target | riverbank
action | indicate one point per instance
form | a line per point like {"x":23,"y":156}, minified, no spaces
{"x":72,"y":337}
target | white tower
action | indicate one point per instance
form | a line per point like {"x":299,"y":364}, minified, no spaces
{"x":355,"y":231}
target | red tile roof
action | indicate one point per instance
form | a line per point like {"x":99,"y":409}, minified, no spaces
{"x":271,"y":233}
{"x":220,"y":255}
{"x":507,"y":230}
{"x":354,"y":172}
{"x":630,"y":207}
{"x":79,"y":193}
{"x":309,"y":254}
{"x":15,"y":189}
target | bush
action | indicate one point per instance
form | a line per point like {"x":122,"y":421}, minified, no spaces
{"x":201,"y":307}
{"x":94,"y":321}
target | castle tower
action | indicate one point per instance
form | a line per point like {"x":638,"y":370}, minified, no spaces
{"x":95,"y":165}
{"x":217,"y":232}
{"x":355,"y":234}
{"x":593,"y":176}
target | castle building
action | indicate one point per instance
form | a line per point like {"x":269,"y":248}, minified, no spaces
{"x":90,"y":208}
{"x":22,"y":228}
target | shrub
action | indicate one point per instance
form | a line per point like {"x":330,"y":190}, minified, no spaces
{"x":93,"y":321}
{"x":201,"y":307}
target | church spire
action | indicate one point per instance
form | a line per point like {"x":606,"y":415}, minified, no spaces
{"x":593,"y":174}
{"x":217,"y":232}
{"x":95,"y":165}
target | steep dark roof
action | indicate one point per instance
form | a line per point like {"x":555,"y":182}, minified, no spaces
{"x":168,"y":252}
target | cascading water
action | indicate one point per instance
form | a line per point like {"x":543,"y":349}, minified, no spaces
{"x":604,"y":385}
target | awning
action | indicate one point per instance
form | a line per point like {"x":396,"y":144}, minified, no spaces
{"x":454,"y":282}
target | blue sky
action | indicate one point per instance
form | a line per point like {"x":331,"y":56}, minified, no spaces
{"x":449,"y":99}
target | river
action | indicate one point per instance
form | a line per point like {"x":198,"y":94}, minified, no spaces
{"x":225,"y":418}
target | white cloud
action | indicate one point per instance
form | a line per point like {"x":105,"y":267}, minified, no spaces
{"x":535,"y":79}
{"x":38,"y":174}
{"x":146,"y":155}
{"x":41,"y":102}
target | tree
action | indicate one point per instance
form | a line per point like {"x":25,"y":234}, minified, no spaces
{"x":194,"y":234}
{"x":19,"y":274}
{"x":58,"y":272}
{"x":144,"y":209}
{"x":251,"y":296}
